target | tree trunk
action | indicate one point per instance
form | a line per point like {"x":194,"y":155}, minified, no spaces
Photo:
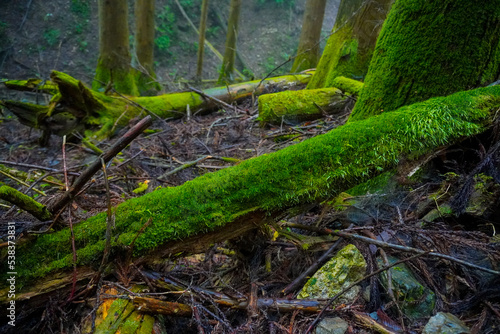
{"x":431,"y":48}
{"x":113,"y":65}
{"x":144,"y":46}
{"x":224,"y":204}
{"x":201,"y":41}
{"x":308,"y":50}
{"x":226,"y":74}
{"x":350,"y":47}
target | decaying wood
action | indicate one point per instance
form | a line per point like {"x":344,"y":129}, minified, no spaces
{"x":237,"y":302}
{"x":77,"y":108}
{"x":303,"y":105}
{"x":223,"y":205}
{"x":24,"y":202}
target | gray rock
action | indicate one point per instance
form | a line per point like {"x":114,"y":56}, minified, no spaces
{"x":445,"y":323}
{"x":332,"y":326}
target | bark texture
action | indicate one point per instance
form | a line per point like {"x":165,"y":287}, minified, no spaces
{"x":144,"y":46}
{"x":113,"y":65}
{"x":226,"y":74}
{"x":431,"y":48}
{"x":308,"y":50}
{"x":201,"y":40}
{"x":350,"y":47}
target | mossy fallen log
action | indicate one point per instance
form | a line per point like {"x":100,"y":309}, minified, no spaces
{"x":241,"y":197}
{"x":349,"y":86}
{"x":303,"y":105}
{"x":300,"y":105}
{"x":24,"y":202}
{"x":78,"y":108}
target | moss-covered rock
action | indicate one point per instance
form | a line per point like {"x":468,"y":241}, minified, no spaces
{"x":314,"y":170}
{"x":428,"y":49}
{"x":415,"y":300}
{"x":345,"y":268}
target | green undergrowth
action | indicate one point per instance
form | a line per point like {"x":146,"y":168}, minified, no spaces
{"x":314,"y":170}
{"x":428,"y":49}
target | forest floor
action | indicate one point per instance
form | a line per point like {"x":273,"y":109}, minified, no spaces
{"x":264,"y":262}
{"x":56,"y":35}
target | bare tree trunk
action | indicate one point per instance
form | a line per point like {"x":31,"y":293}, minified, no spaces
{"x":201,"y":42}
{"x":227,"y":69}
{"x":308,"y":51}
{"x":144,"y":44}
{"x":113,"y":65}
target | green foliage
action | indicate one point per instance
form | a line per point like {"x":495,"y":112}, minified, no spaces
{"x":80,"y":8}
{"x":165,"y":28}
{"x":213,"y":31}
{"x":52,"y":36}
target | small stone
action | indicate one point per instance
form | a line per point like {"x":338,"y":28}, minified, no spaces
{"x":332,"y":326}
{"x":445,"y":323}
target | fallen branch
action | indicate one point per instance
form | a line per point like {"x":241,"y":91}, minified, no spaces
{"x":352,"y":285}
{"x":384,"y":244}
{"x":24,"y":202}
{"x":96,"y":165}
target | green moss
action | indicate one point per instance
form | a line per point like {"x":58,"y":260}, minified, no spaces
{"x":350,"y":47}
{"x":431,"y":49}
{"x":24,"y":202}
{"x":123,"y":79}
{"x":311,"y":171}
{"x":297,"y":105}
{"x":345,"y":268}
{"x":347,"y":85}
{"x":340,"y":61}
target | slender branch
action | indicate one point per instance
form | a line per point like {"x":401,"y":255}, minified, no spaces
{"x":20,"y":164}
{"x":120,"y":144}
{"x":393,"y":246}
{"x":376,"y":272}
{"x":73,"y":245}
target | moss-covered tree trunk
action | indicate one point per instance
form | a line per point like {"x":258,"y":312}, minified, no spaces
{"x":431,"y":48}
{"x":201,"y":40}
{"x":237,"y":199}
{"x":350,"y":47}
{"x":226,"y":72}
{"x":308,"y":50}
{"x":113,"y":65}
{"x":144,"y":46}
